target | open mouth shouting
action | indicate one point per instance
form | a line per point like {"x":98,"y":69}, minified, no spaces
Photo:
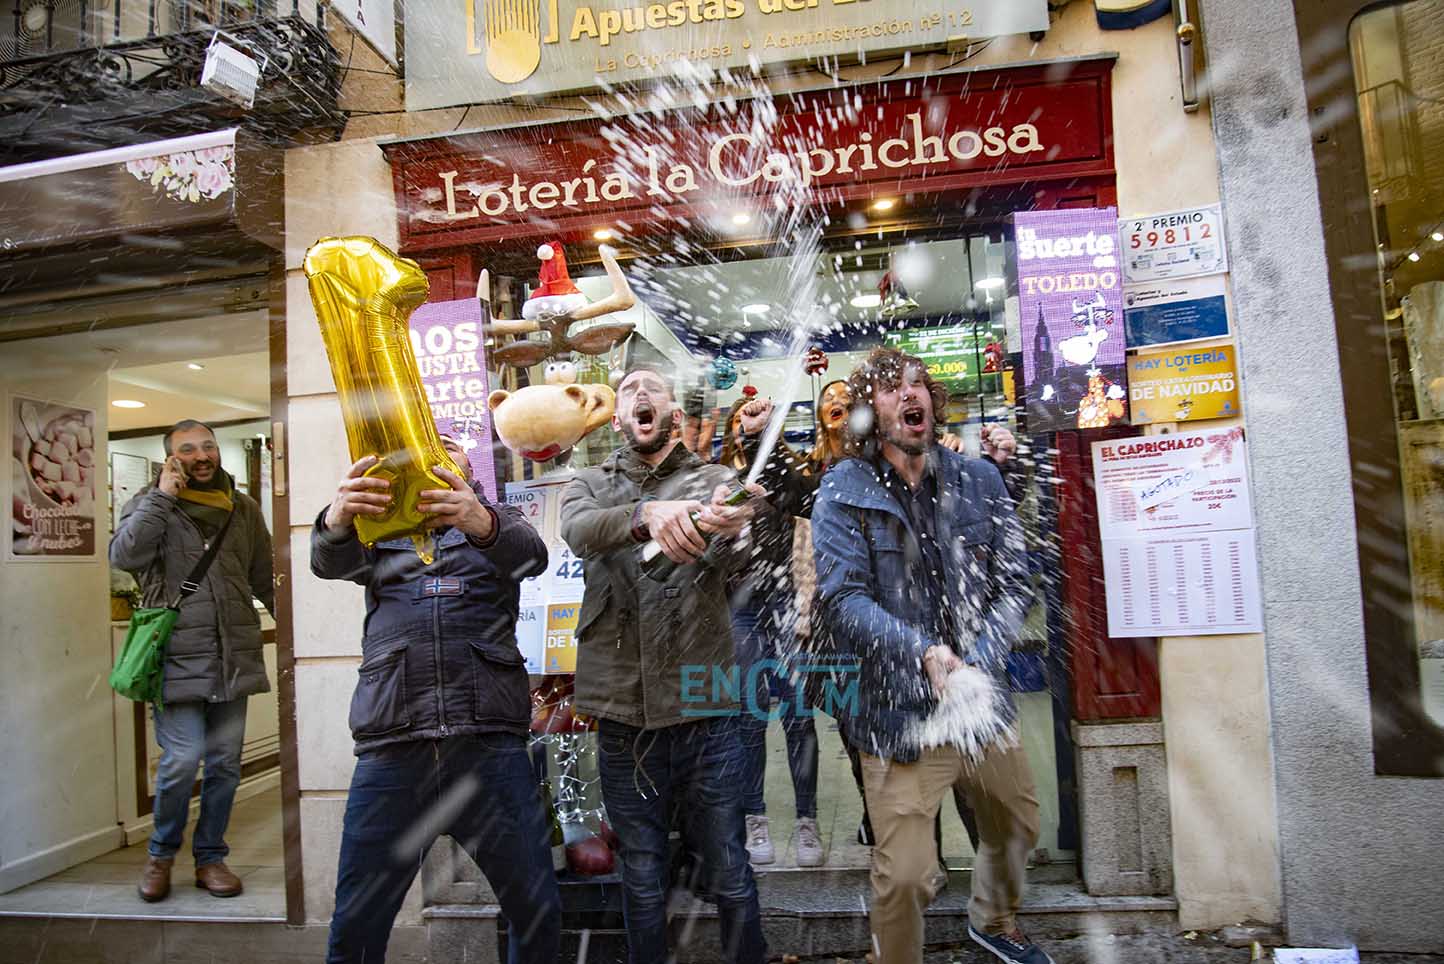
{"x":834,"y":414}
{"x":914,"y":417}
{"x":645,"y":415}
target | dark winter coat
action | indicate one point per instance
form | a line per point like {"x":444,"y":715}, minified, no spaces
{"x":214,"y":654}
{"x":868,"y":594}
{"x":438,"y":656}
{"x":649,"y":654}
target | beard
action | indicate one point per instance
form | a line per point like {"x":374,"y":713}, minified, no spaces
{"x":663,"y":425}
{"x":894,"y":437}
{"x":216,"y":481}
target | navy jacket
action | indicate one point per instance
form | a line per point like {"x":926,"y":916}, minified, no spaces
{"x":439,"y":655}
{"x":865,"y":550}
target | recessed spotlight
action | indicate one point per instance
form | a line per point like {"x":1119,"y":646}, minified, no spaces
{"x":195,"y":366}
{"x":757,"y":309}
{"x":865,"y":301}
{"x":127,"y":403}
{"x":603,"y":234}
{"x":989,"y":284}
{"x":1437,"y":236}
{"x":741,"y":217}
{"x":1413,"y":255}
{"x":883,"y":204}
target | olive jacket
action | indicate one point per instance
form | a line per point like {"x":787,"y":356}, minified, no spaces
{"x":649,"y":654}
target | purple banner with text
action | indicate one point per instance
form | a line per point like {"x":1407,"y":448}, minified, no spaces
{"x":450,"y":350}
{"x":1071,"y":310}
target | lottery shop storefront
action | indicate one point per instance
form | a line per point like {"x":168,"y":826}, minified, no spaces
{"x":915,"y":184}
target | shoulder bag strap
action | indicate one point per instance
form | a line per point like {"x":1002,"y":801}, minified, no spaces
{"x":193,"y":582}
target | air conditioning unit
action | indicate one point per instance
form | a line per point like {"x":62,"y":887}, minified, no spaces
{"x":231,"y":73}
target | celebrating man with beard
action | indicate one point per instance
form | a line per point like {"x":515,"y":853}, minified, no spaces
{"x":920,"y":568}
{"x":648,"y":654}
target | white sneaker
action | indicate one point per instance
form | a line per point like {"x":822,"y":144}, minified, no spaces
{"x":809,"y":843}
{"x":759,"y":840}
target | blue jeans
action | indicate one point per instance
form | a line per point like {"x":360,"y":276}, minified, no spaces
{"x":189,"y":734}
{"x":764,"y":674}
{"x":479,"y":790}
{"x":696,"y":764}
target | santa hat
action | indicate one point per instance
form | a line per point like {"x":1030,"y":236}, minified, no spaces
{"x":556,"y":295}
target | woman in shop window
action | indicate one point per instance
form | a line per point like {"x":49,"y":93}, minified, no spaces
{"x":763,"y":620}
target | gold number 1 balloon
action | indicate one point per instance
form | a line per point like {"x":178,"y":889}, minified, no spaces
{"x":364,"y":296}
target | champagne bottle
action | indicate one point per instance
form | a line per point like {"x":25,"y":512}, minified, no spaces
{"x":558,"y":842}
{"x":656,"y":565}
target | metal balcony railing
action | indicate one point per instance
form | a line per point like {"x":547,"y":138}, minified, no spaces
{"x":38,"y":29}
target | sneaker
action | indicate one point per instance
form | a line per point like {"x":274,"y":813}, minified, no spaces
{"x":759,"y":840}
{"x":1013,"y":947}
{"x":809,"y":843}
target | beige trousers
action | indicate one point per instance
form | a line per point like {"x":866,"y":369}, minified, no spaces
{"x":903,"y":799}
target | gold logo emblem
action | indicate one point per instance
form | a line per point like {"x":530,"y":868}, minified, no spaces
{"x":513,"y":37}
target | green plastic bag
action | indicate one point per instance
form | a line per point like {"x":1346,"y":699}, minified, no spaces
{"x":139,"y":672}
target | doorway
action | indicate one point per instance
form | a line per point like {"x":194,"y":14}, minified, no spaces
{"x":85,"y":813}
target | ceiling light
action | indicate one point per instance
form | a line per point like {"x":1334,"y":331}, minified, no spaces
{"x":741,"y":217}
{"x":127,"y":403}
{"x":603,"y":234}
{"x":1413,"y":255}
{"x":988,"y":284}
{"x":757,"y":309}
{"x":195,"y":366}
{"x":1437,"y":236}
{"x":883,"y":204}
{"x":865,"y":301}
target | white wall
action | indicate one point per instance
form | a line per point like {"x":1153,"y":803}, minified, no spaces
{"x":58,"y":794}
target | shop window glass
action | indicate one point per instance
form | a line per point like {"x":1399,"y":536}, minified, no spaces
{"x":1398,"y":59}
{"x":721,"y":323}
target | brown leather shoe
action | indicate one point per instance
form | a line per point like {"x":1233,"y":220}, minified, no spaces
{"x":155,"y":879}
{"x":218,"y":879}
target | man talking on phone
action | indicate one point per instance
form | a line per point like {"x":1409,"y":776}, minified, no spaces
{"x":213,"y":659}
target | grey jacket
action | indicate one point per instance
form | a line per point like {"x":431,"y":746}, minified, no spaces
{"x":649,"y":654}
{"x":215,"y":650}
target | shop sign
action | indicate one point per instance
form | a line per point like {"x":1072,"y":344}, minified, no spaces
{"x":1071,"y":313}
{"x":1172,"y":245}
{"x":53,"y":489}
{"x":1177,"y":529}
{"x":1183,"y":385}
{"x":1174,"y":311}
{"x":953,"y":354}
{"x":465,"y":51}
{"x":160,"y":185}
{"x":549,"y":603}
{"x":958,"y":132}
{"x":446,"y":338}
{"x":373,"y":19}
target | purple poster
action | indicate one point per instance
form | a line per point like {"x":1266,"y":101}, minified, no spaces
{"x":1071,"y":309}
{"x":449,"y":349}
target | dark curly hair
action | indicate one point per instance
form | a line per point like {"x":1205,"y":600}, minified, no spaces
{"x":883,"y":368}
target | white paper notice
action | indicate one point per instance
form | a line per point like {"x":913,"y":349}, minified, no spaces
{"x":1185,"y":482}
{"x":1192,"y":585}
{"x":1178,"y":537}
{"x":1431,"y":682}
{"x":1316,"y":955}
{"x":564,"y":575}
